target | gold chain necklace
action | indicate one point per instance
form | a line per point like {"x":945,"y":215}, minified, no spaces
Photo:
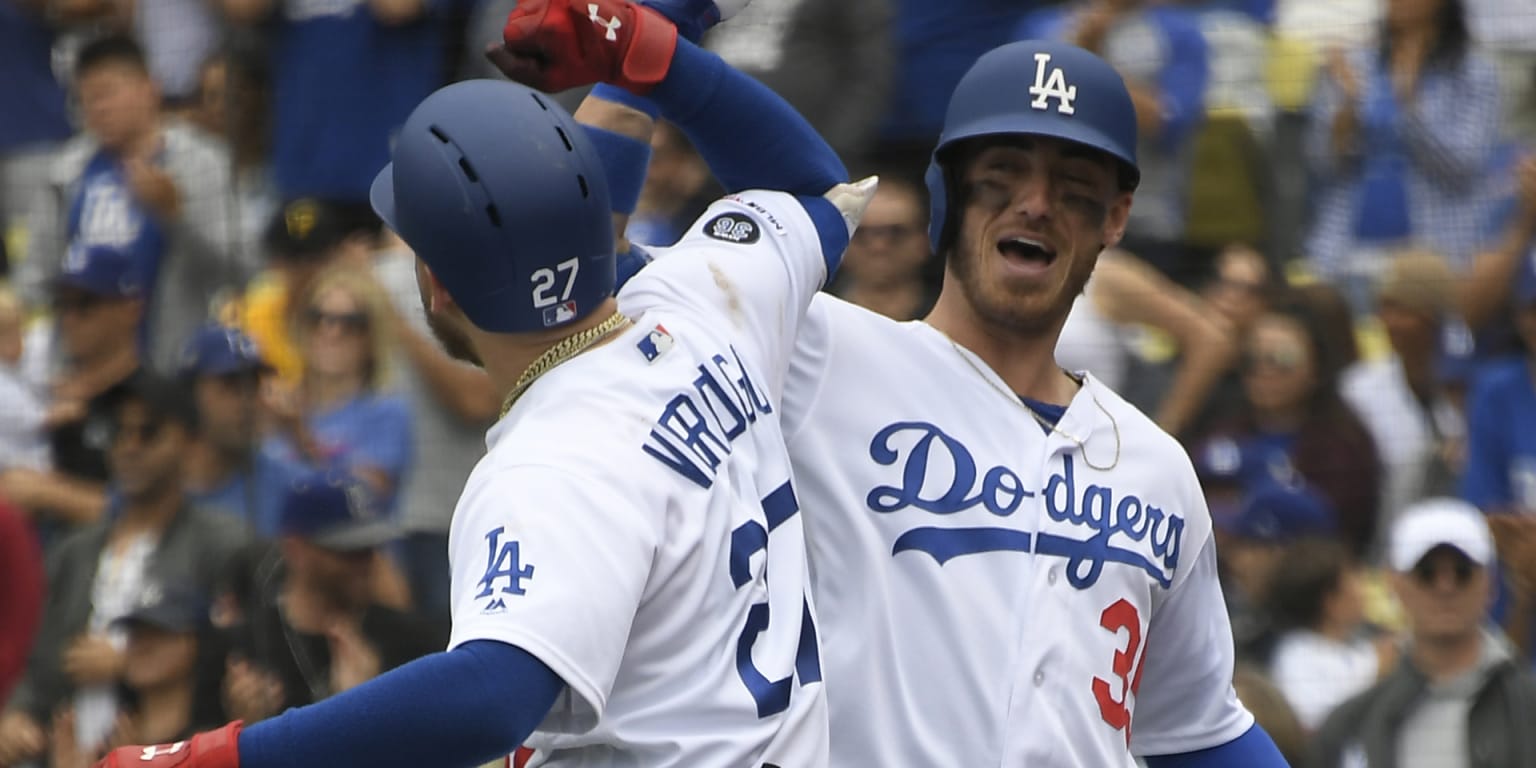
{"x":562,"y":351}
{"x":1082,"y":447}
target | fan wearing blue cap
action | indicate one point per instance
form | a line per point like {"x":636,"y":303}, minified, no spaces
{"x":226,"y":472}
{"x":161,"y":672}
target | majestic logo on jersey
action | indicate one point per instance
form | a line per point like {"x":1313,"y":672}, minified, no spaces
{"x":503,"y":561}
{"x":1051,"y":83}
{"x":655,"y":344}
{"x":732,"y":228}
{"x":692,"y":444}
{"x":939,"y":476}
{"x":610,"y":25}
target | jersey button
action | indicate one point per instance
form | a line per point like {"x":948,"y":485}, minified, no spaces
{"x":1050,"y":576}
{"x":1039,"y":677}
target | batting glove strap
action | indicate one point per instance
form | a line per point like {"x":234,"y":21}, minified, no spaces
{"x":210,"y":749}
{"x":556,"y":45}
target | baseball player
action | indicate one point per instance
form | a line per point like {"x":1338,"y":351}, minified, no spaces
{"x":1013,"y":565}
{"x":629,"y":577}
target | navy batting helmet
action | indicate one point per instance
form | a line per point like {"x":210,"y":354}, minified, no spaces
{"x":1041,"y":88}
{"x":499,"y":191}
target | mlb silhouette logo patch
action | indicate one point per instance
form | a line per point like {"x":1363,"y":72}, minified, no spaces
{"x":655,"y":344}
{"x":559,"y":313}
{"x":732,"y":228}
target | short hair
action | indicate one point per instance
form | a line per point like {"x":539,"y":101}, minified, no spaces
{"x":1312,"y":570}
{"x":111,"y":49}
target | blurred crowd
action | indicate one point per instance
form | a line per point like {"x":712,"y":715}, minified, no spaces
{"x":230,"y":448}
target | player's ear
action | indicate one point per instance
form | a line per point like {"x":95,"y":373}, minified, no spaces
{"x":1115,"y":219}
{"x":434,"y":296}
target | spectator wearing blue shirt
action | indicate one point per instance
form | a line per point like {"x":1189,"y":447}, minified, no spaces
{"x":1163,"y":56}
{"x":345,"y":73}
{"x":1296,"y":424}
{"x":145,"y":184}
{"x":339,"y":417}
{"x":1500,"y":476}
{"x":1403,"y":137}
{"x":225,"y":472}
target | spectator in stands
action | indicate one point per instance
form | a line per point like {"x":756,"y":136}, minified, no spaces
{"x":1159,"y":50}
{"x":98,"y":300}
{"x":1252,"y":537}
{"x":1500,"y":473}
{"x":34,"y":104}
{"x":302,"y":240}
{"x":1297,"y":422}
{"x":889,"y":267}
{"x":232,"y":105}
{"x":1415,"y":426}
{"x":1125,"y":298}
{"x":1458,"y":696}
{"x":164,"y":684}
{"x":225,"y":471}
{"x":151,"y":536}
{"x":24,"y":359}
{"x":149,"y":185}
{"x":1241,"y":288}
{"x":21,"y":598}
{"x":1323,"y":654}
{"x":340,"y":416}
{"x":309,"y":628}
{"x":344,"y":77}
{"x":1403,"y":136}
{"x":677,"y":189}
{"x":1483,"y":295}
{"x":451,"y":405}
{"x":790,"y":45}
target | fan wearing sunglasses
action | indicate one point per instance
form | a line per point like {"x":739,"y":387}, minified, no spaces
{"x":1295,"y":421}
{"x":1459,"y":696}
{"x":339,"y":415}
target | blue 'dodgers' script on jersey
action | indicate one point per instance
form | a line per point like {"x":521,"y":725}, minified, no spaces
{"x":1122,"y":527}
{"x":696,"y":428}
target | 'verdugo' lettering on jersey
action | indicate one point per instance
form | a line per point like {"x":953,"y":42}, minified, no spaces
{"x":503,"y":560}
{"x":1051,"y":83}
{"x":1120,"y":527}
{"x":696,"y":428}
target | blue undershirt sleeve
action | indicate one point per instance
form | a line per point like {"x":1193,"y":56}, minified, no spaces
{"x":1253,"y":749}
{"x":467,"y":706}
{"x":748,"y":135}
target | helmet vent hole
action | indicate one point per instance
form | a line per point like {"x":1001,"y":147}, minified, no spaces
{"x":565,"y":139}
{"x":438,"y":132}
{"x":493,"y":215}
{"x":469,"y":170}
{"x":582,"y":180}
{"x":539,"y":101}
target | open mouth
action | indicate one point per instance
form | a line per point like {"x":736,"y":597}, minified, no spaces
{"x":1027,"y":252}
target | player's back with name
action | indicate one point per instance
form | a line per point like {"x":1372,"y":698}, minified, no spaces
{"x":660,"y":458}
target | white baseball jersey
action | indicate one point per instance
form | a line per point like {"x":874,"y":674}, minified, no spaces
{"x":634,"y":527}
{"x":986,"y":597}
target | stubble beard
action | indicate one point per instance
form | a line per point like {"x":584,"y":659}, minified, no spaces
{"x":996,"y":307}
{"x":453,"y":340}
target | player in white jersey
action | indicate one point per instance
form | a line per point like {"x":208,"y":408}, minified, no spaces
{"x":1013,"y":565}
{"x":629,"y":577}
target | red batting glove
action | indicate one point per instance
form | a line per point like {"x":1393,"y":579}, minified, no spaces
{"x":210,"y":749}
{"x":555,"y":45}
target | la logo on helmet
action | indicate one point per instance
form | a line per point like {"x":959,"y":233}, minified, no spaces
{"x":1052,"y":84}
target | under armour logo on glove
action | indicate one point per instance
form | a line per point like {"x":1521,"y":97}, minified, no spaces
{"x":612,"y":25}
{"x":161,"y":750}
